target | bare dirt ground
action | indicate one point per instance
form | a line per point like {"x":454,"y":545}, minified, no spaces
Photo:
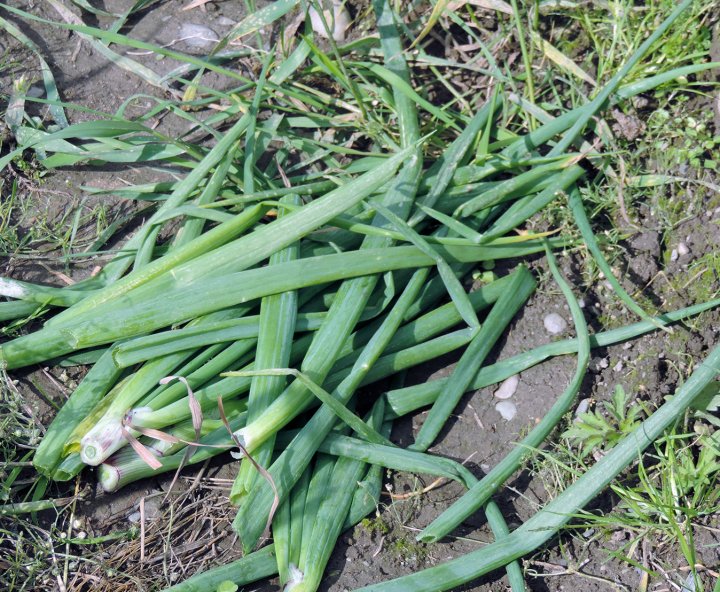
{"x":171,"y":540}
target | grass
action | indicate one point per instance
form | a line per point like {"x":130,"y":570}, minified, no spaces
{"x":662,"y":503}
{"x":323,"y":128}
{"x":24,"y":545}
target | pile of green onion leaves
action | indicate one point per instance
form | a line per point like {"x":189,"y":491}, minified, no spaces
{"x":286,"y":289}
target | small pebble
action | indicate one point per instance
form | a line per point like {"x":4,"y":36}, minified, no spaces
{"x":336,"y":16}
{"x":689,"y":585}
{"x":507,"y":388}
{"x":582,"y":407}
{"x":134,"y":517}
{"x":224,"y":21}
{"x":674,"y":255}
{"x":618,"y":367}
{"x":682,"y":249}
{"x":554,"y":323}
{"x":35,"y":92}
{"x":198,"y":36}
{"x":507,"y":409}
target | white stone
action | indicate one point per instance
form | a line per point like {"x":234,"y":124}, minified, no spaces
{"x":336,"y":16}
{"x":507,"y":409}
{"x":134,"y":517}
{"x":682,"y":249}
{"x":507,"y":388}
{"x":582,"y":407}
{"x":198,"y":36}
{"x":554,"y":323}
{"x":35,"y":92}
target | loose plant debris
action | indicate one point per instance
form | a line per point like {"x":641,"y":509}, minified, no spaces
{"x":317,"y":234}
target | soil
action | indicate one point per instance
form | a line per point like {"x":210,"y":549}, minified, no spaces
{"x":191,"y":532}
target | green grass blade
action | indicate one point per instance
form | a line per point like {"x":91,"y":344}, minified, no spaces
{"x":193,"y":228}
{"x":79,"y":131}
{"x":97,"y":382}
{"x":544,"y":524}
{"x":396,"y":82}
{"x":277,"y":325}
{"x":583,"y":224}
{"x":406,"y":400}
{"x":646,"y":84}
{"x":37,"y":294}
{"x":589,"y":111}
{"x":497,"y":320}
{"x":85,"y":5}
{"x":328,"y":523}
{"x":288,"y":527}
{"x":317,"y":490}
{"x":520,"y":184}
{"x":494,"y":479}
{"x":337,"y":407}
{"x":250,"y":140}
{"x":55,"y":105}
{"x":18,"y":309}
{"x":525,"y":207}
{"x":254,"y":566}
{"x":291,"y":64}
{"x":290,"y":464}
{"x":441,"y":173}
{"x":254,"y":247}
{"x":392,"y":457}
{"x":121,"y":61}
{"x":453,"y":225}
{"x":394,"y":57}
{"x":452,"y":284}
{"x":261,"y":18}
